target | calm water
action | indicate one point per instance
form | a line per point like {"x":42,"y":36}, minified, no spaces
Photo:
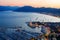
{"x":11,"y":18}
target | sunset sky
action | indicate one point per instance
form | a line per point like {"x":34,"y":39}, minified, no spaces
{"x":34,"y":3}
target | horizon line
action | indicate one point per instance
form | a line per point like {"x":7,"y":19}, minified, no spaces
{"x":30,"y":6}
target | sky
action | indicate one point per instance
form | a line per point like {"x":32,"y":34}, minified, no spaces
{"x":33,"y":3}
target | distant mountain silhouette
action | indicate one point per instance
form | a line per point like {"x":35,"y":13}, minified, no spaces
{"x":38,"y":10}
{"x":42,"y":9}
{"x":31,"y":9}
{"x":7,"y":8}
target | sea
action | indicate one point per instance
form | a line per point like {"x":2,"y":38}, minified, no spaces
{"x":9,"y":20}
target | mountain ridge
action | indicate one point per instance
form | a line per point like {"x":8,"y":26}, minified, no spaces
{"x":30,"y":9}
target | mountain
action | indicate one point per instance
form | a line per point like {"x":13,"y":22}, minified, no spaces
{"x":7,"y":8}
{"x":38,"y":10}
{"x":44,"y":10}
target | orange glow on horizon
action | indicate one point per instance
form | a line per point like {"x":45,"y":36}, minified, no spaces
{"x":34,"y":3}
